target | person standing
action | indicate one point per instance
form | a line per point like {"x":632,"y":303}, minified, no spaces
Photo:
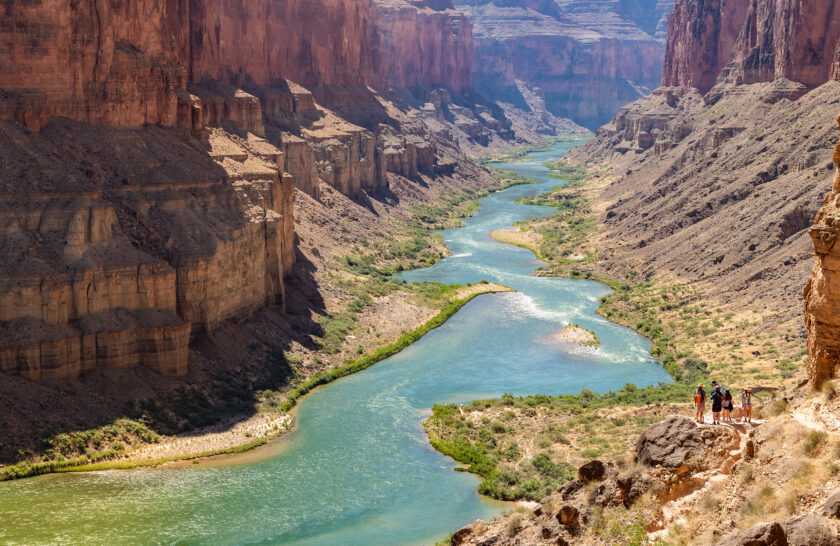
{"x":699,"y":403}
{"x":717,"y":404}
{"x":746,"y":401}
{"x":727,"y":406}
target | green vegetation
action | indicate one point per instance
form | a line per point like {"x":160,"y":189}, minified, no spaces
{"x":489,"y":435}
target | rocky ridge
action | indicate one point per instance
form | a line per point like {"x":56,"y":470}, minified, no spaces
{"x":822,"y":292}
{"x":684,"y":472}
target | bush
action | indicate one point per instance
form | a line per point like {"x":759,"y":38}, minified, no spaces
{"x":813,"y":441}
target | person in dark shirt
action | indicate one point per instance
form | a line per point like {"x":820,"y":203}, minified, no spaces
{"x":727,"y":406}
{"x":699,"y":403}
{"x":717,"y":404}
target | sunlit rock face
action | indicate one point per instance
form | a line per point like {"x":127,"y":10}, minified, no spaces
{"x":746,"y":41}
{"x":822,"y":293}
{"x":586,"y":59}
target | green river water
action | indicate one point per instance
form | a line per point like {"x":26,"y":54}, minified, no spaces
{"x":359,"y":468}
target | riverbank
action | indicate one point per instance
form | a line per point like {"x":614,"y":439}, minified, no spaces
{"x":245,"y":434}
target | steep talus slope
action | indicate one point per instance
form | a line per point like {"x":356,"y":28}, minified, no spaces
{"x":719,"y":174}
{"x":585,"y":59}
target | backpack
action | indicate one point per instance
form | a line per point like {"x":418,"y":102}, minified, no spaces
{"x":697,"y":398}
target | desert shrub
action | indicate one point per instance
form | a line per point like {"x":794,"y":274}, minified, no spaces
{"x":813,"y":441}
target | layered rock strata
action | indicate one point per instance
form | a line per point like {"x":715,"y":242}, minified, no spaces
{"x":118,"y":261}
{"x":822,"y":292}
{"x":584,"y":59}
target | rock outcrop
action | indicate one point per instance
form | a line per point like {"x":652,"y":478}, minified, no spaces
{"x":118,"y":261}
{"x":822,"y":292}
{"x":584,"y":59}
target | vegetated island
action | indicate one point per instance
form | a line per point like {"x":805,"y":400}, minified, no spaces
{"x":577,"y":335}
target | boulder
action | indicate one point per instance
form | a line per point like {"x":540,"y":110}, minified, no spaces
{"x":461,"y":536}
{"x":761,"y":534}
{"x":569,"y":517}
{"x":571,"y":489}
{"x":670,"y":443}
{"x":810,"y":530}
{"x":592,"y":471}
{"x":832,"y":506}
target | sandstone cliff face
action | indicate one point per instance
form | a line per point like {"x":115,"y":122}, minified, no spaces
{"x":701,"y":38}
{"x":106,"y":62}
{"x":585,"y":59}
{"x":822,"y":292}
{"x":425,"y":43}
{"x":118,"y":261}
{"x":748,"y":41}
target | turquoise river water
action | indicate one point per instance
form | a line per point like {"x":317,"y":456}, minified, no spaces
{"x":359,"y":468}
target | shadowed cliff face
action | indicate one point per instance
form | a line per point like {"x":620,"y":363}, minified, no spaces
{"x":822,"y":293}
{"x":586,"y":59}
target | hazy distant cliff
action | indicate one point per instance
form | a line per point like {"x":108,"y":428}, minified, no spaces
{"x":586,"y":59}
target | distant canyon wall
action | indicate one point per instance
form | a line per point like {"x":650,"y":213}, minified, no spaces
{"x":425,"y":43}
{"x":584,"y":59}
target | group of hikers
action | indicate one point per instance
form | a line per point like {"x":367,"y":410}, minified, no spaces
{"x":722,"y":404}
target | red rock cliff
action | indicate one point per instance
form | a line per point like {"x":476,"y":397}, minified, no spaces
{"x":751,"y":41}
{"x":701,"y":35}
{"x":425,"y":43}
{"x":585,"y":59}
{"x":122,"y":63}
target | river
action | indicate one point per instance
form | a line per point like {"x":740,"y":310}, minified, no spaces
{"x":359,"y":468}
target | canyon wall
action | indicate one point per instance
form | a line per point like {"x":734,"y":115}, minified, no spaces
{"x":153,"y":149}
{"x":748,"y":41}
{"x":584,"y":59}
{"x":822,"y":292}
{"x":425,"y":43}
{"x":720,"y":171}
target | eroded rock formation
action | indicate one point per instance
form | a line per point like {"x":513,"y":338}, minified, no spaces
{"x":822,"y":292}
{"x":118,"y":261}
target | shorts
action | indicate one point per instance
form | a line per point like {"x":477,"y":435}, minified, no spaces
{"x":747,"y":405}
{"x":700,"y":407}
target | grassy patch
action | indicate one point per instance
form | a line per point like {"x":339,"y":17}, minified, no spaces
{"x":524,"y":447}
